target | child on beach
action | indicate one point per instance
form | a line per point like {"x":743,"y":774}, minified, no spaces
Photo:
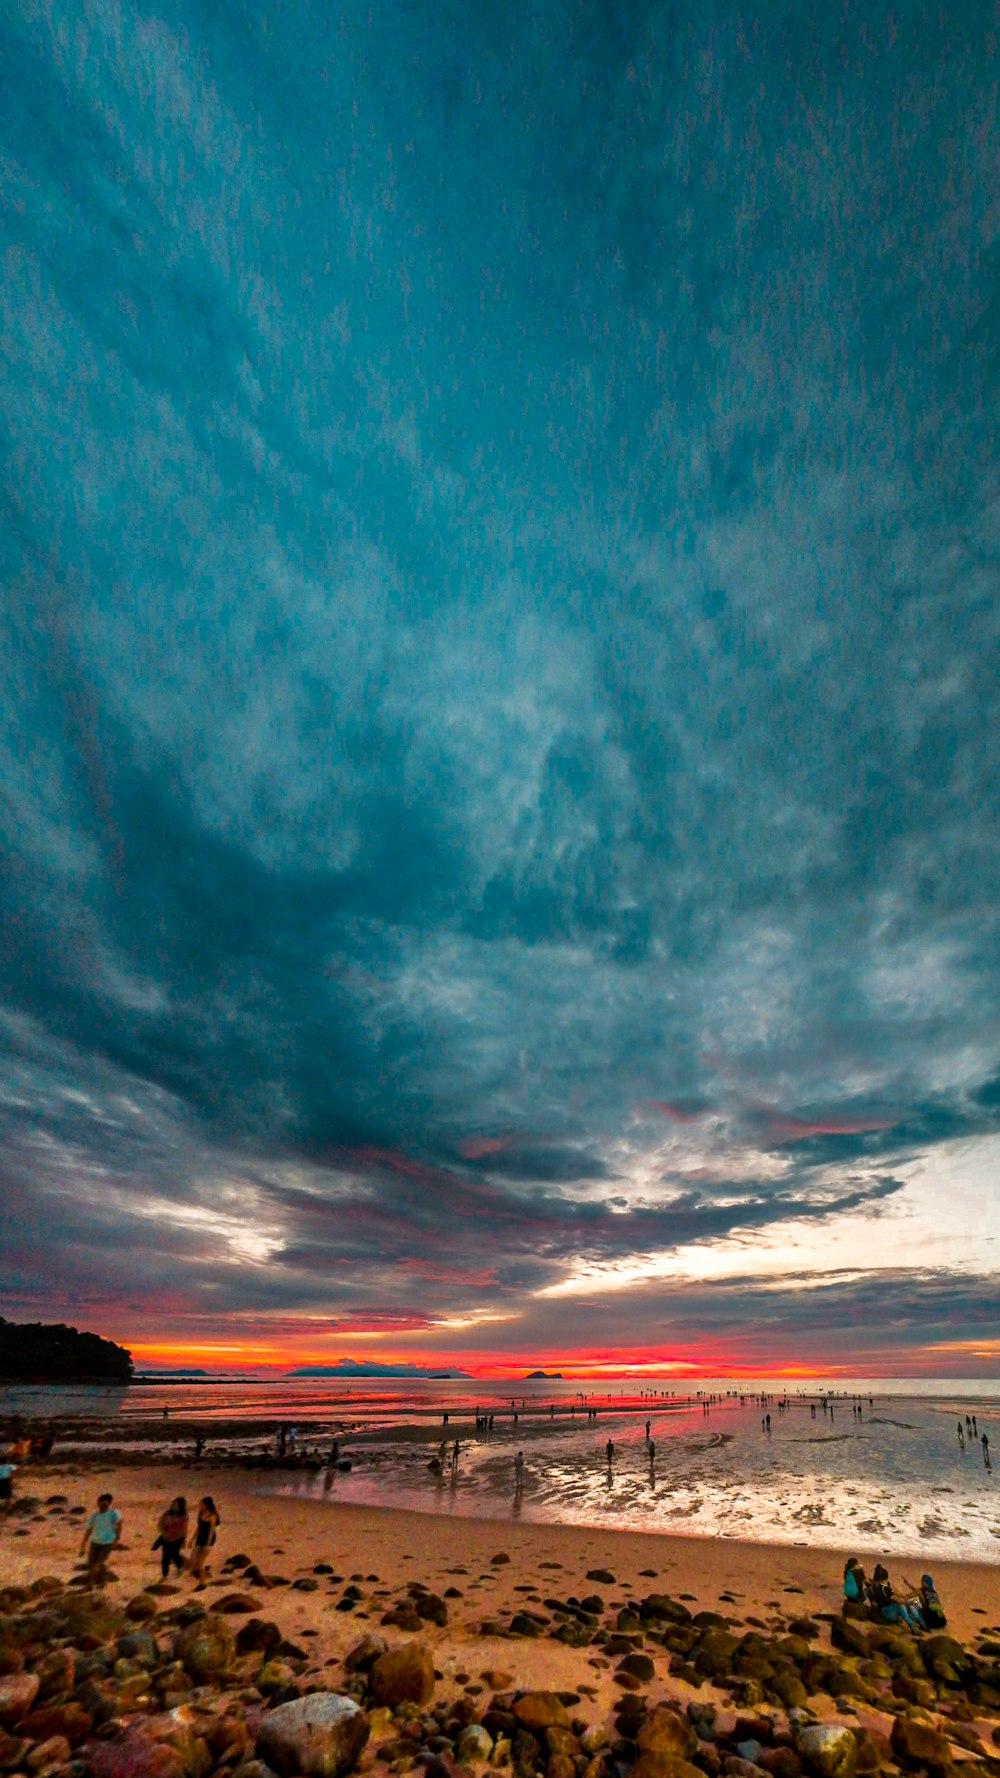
{"x":101,"y":1534}
{"x":172,"y":1532}
{"x":202,"y":1538}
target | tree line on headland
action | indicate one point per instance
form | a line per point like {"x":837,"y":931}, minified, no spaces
{"x":40,"y":1353}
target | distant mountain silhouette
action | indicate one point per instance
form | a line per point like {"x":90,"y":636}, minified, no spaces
{"x":550,"y":1376}
{"x":348,"y":1368}
{"x":36,"y":1353}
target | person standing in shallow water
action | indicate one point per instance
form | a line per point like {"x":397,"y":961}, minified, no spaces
{"x":986,"y":1452}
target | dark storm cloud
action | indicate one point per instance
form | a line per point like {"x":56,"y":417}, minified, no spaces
{"x":496,"y":692}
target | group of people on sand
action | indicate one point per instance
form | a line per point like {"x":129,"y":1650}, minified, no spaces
{"x":102,"y":1534}
{"x":920,"y":1608}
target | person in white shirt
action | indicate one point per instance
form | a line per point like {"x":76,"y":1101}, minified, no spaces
{"x":101,"y":1534}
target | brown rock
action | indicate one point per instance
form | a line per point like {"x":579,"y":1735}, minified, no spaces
{"x":11,"y":1751}
{"x":404,"y":1676}
{"x":917,"y":1744}
{"x":236,"y":1603}
{"x":542,"y":1710}
{"x":664,"y":1765}
{"x":873,"y":1750}
{"x":141,"y":1609}
{"x":134,"y":1756}
{"x":69,"y":1720}
{"x":496,"y":1678}
{"x":18,"y":1692}
{"x":319,"y":1736}
{"x":364,"y":1654}
{"x":48,"y":1754}
{"x":664,"y":1731}
{"x":206,"y":1647}
{"x":56,"y":1674}
{"x":560,"y":1765}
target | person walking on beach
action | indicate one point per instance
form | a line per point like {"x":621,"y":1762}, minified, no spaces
{"x":173,"y":1530}
{"x":961,"y":1436}
{"x":519,"y":1472}
{"x":202,"y":1538}
{"x":101,"y":1534}
{"x":986,"y":1452}
{"x":8,"y":1470}
{"x":609,"y":1452}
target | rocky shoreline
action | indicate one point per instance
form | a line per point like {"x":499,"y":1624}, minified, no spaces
{"x":164,"y":1686}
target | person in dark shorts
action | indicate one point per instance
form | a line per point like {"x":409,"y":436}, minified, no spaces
{"x":202,"y":1538}
{"x":172,"y":1534}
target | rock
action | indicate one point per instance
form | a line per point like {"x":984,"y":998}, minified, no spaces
{"x":499,"y":1560}
{"x":496,"y":1678}
{"x":781,"y":1762}
{"x":828,"y":1749}
{"x":235,"y":1603}
{"x":873,"y":1749}
{"x":319,"y":1736}
{"x":474,"y":1745}
{"x":603,"y":1575}
{"x":594,"y":1738}
{"x":542,"y":1710}
{"x":305,"y":1584}
{"x":49,"y":1754}
{"x":714,"y":1657}
{"x":133,"y":1756}
{"x":18,"y":1692}
{"x":849,"y":1636}
{"x":664,"y":1731}
{"x":917,"y":1744}
{"x":69,"y":1721}
{"x":432,"y":1609}
{"x":364,"y":1654}
{"x":560,"y":1765}
{"x":140,"y":1609}
{"x":257,"y":1636}
{"x":945,"y":1658}
{"x":12,"y":1751}
{"x":403,"y":1676}
{"x":637,"y":1666}
{"x":276,"y":1676}
{"x":206,"y":1647}
{"x":56,"y":1673}
{"x":664,"y":1765}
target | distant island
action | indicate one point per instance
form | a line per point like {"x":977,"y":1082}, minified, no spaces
{"x":545,"y":1376}
{"x":168,"y":1376}
{"x":348,"y":1367}
{"x":34,"y":1352}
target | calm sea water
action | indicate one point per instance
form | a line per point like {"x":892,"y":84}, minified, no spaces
{"x":895,"y":1482}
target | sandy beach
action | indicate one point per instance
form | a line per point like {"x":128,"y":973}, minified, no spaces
{"x":485,"y":1571}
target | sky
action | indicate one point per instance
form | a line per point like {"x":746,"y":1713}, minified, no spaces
{"x":498,"y":683}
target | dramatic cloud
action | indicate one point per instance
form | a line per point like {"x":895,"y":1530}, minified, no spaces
{"x":498,"y":704}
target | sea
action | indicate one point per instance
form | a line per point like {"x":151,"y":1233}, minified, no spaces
{"x":891,"y":1478}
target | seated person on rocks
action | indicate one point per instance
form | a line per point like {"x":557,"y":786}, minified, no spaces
{"x":855,"y":1589}
{"x":925,"y":1602}
{"x":886,"y":1606}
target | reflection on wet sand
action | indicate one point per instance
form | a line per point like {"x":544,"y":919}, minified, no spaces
{"x":887,"y":1483}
